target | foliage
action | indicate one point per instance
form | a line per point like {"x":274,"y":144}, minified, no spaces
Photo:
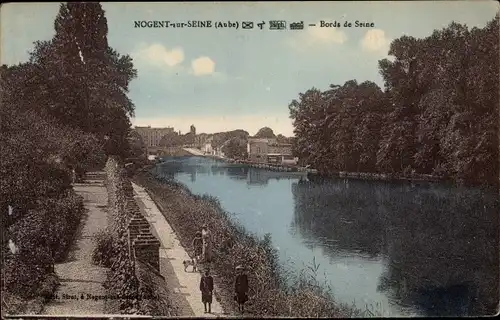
{"x":83,"y":82}
{"x":48,"y":287}
{"x":66,"y":108}
{"x":219,"y":138}
{"x":282,"y":139}
{"x":104,"y":248}
{"x":172,"y":139}
{"x":265,"y":132}
{"x":43,"y":236}
{"x":437,"y":115}
{"x":235,"y":148}
{"x":138,"y":148}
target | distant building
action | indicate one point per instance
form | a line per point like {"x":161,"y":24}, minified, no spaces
{"x":192,"y":130}
{"x":257,"y":150}
{"x":152,"y":136}
{"x":269,"y":151}
{"x":207,"y":146}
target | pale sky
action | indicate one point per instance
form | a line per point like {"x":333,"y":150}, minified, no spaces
{"x":230,"y":79}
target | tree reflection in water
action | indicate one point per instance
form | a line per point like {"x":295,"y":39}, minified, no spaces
{"x":440,"y":243}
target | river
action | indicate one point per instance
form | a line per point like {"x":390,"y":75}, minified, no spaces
{"x":400,"y":249}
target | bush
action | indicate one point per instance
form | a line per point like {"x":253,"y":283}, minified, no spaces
{"x":122,"y":280}
{"x":48,"y":287}
{"x":104,"y":249}
{"x":43,"y":236}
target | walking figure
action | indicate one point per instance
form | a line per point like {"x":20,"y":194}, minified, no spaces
{"x":241,"y":288}
{"x":198,"y":246}
{"x":207,"y":244}
{"x":206,"y":288}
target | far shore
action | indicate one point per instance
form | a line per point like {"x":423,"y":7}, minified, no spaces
{"x":313,"y":174}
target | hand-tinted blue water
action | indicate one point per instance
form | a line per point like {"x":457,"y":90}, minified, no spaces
{"x":401,"y":249}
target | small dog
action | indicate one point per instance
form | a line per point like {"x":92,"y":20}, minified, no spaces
{"x":193,"y":262}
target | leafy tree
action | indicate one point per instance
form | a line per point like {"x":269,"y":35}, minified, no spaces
{"x":67,"y":107}
{"x":235,"y":148}
{"x":138,"y":147}
{"x":172,"y":139}
{"x":84,"y":80}
{"x":219,"y":138}
{"x":436,"y":116}
{"x":265,"y":132}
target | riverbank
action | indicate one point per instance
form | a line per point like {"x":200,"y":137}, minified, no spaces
{"x":269,"y":296}
{"x":314,"y":173}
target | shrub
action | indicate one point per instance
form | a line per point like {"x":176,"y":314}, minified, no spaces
{"x":43,"y":235}
{"x":104,"y":249}
{"x":48,"y":286}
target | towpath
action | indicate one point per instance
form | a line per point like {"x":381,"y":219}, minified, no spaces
{"x":184,"y":285}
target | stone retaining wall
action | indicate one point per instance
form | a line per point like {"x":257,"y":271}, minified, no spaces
{"x":135,"y":244}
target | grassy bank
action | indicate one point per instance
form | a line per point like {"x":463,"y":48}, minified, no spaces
{"x":273,"y":292}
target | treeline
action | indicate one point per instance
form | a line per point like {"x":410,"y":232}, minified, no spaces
{"x":438,"y":114}
{"x":65,"y":109}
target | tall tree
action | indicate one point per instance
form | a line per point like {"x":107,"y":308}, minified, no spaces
{"x":436,"y":116}
{"x":265,"y":132}
{"x":87,"y":79}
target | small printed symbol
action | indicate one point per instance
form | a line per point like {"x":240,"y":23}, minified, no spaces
{"x":297,"y":25}
{"x":261,"y":25}
{"x":247,"y":24}
{"x":312,"y":24}
{"x":277,"y":25}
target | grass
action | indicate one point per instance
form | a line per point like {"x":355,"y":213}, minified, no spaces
{"x":274,"y":291}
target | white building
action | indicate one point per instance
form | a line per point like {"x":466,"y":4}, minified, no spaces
{"x":207,"y":148}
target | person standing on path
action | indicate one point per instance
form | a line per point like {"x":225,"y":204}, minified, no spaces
{"x":241,"y":288}
{"x":207,"y":288}
{"x":207,"y":244}
{"x":198,"y":246}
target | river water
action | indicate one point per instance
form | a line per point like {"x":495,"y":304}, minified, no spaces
{"x":395,"y":248}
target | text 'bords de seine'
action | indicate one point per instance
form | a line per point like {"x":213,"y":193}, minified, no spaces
{"x":185,"y":24}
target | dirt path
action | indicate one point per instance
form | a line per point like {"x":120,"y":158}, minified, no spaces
{"x":185,"y":285}
{"x":77,"y":274}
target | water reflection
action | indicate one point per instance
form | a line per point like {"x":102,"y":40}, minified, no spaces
{"x":196,"y":165}
{"x":440,"y":244}
{"x":431,"y":249}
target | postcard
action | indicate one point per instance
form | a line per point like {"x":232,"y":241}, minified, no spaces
{"x":249,"y":159}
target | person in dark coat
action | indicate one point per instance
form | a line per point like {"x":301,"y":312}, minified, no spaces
{"x":206,"y":288}
{"x":198,"y":246}
{"x":241,"y":288}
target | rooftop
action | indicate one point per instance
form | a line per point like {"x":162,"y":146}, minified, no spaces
{"x":257,"y":140}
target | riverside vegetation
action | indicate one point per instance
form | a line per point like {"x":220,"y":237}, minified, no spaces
{"x":274,"y":292}
{"x":438,"y":114}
